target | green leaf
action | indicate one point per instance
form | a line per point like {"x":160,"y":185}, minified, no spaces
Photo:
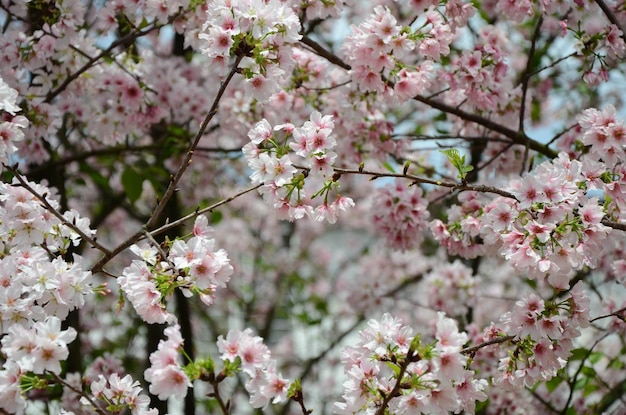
{"x":553,"y":383}
{"x":216,"y":217}
{"x":132,"y":183}
{"x":578,"y":354}
{"x":595,"y":357}
{"x":588,"y":371}
{"x":389,"y":167}
{"x":394,"y":367}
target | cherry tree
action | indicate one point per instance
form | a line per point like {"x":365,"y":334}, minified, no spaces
{"x":297,"y":206}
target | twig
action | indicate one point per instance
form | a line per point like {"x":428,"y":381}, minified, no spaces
{"x":498,"y":340}
{"x":156,"y":214}
{"x":42,"y":199}
{"x":417,"y":179}
{"x":98,"y":267}
{"x":616,"y":313}
{"x":77,"y":391}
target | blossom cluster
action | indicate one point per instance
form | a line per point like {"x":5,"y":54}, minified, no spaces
{"x":165,"y":375}
{"x":268,"y":155}
{"x":552,"y":227}
{"x":390,"y":366}
{"x":118,"y":394}
{"x":544,"y":334}
{"x":261,"y":31}
{"x":401,"y":215}
{"x":11,"y":125}
{"x":195,"y":266}
{"x":265,"y":383}
{"x":37,"y":349}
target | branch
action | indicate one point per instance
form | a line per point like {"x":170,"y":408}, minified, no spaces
{"x":614,"y":225}
{"x":616,"y":313}
{"x":410,"y":356}
{"x":611,"y":16}
{"x":324,"y":53}
{"x":517,"y":136}
{"x":498,"y":340}
{"x":417,"y":179}
{"x":124,"y":39}
{"x":42,"y":199}
{"x":98,"y":267}
{"x":78,"y":392}
{"x":156,"y":214}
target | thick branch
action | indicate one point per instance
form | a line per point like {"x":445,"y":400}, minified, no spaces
{"x":516,"y":136}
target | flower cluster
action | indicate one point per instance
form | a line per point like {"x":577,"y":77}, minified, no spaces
{"x":283,"y":187}
{"x":165,"y":375}
{"x":35,"y":280}
{"x":38,"y":349}
{"x":259,"y":30}
{"x":604,"y":134}
{"x":400,"y":215}
{"x":119,"y":394}
{"x":390,"y":368}
{"x":266,"y":383}
{"x":195,"y":266}
{"x":451,"y":288}
{"x":10,"y":125}
{"x":555,"y":229}
{"x":460,"y":236}
{"x":544,"y":337}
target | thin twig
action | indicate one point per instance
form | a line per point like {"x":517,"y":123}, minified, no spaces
{"x":78,"y":391}
{"x":98,"y":267}
{"x":617,"y":313}
{"x":453,"y":186}
{"x":42,"y":199}
{"x":498,"y":340}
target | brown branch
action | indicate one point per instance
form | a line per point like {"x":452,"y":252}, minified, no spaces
{"x":498,"y":340}
{"x":410,"y":357}
{"x":516,"y":136}
{"x":187,"y":160}
{"x":617,"y":313}
{"x":614,"y":225}
{"x":611,"y":16}
{"x":416,"y":179}
{"x":78,"y":392}
{"x":91,"y":62}
{"x":324,"y":53}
